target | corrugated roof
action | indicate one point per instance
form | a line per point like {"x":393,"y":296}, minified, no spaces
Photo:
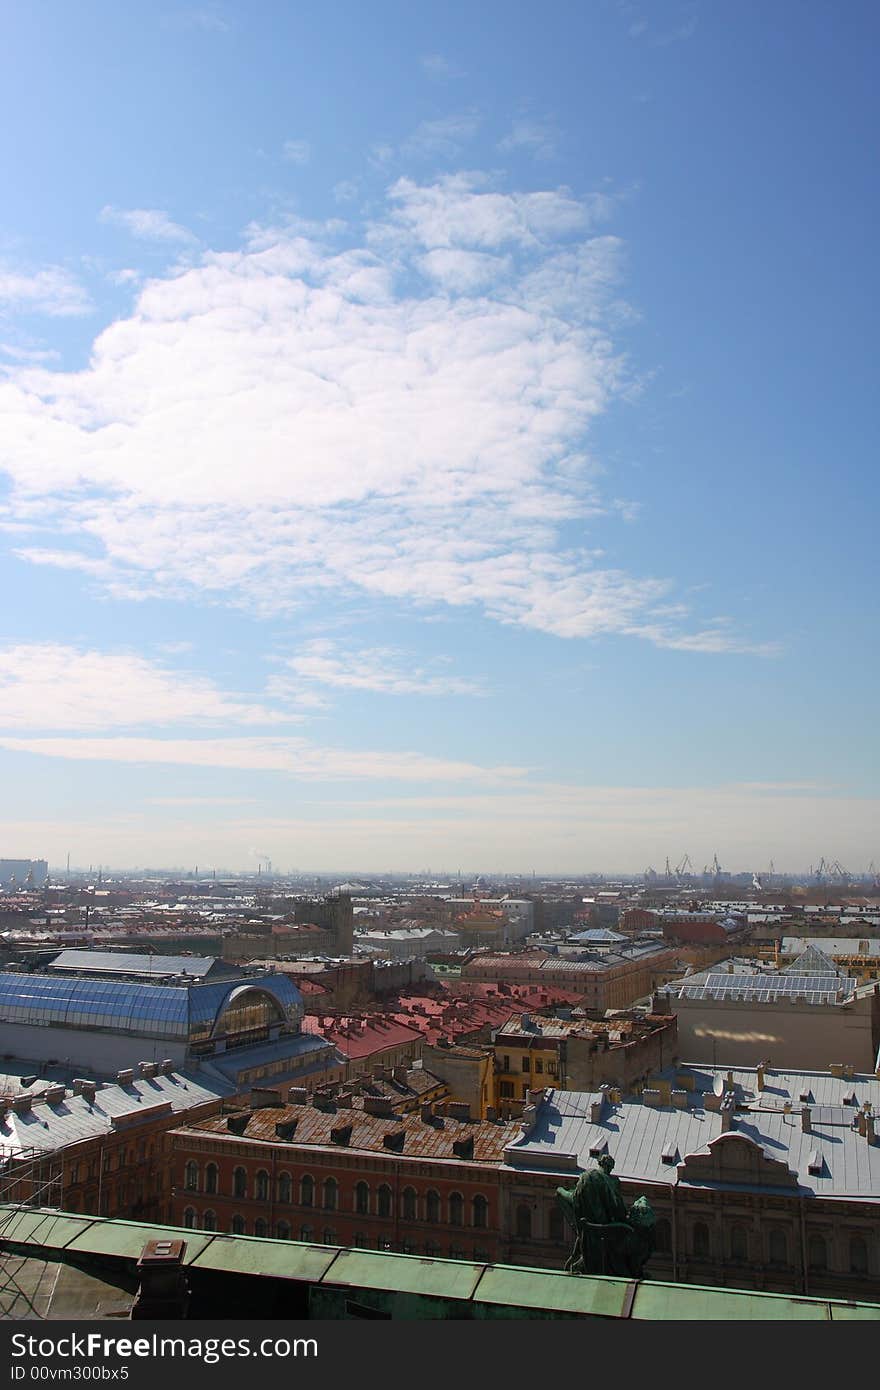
{"x":153,"y":967}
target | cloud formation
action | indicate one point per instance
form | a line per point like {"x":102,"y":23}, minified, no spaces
{"x":148,"y":224}
{"x":379,"y":669}
{"x":402,"y":412}
{"x":52,"y":291}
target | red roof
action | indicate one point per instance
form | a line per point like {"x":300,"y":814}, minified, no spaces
{"x":358,"y":1036}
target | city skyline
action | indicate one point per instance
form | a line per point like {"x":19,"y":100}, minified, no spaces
{"x":452,"y":445}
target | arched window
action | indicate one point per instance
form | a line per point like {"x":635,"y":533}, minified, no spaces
{"x":778,"y":1248}
{"x":191,"y":1177}
{"x":284,"y":1188}
{"x":260,"y":1227}
{"x":262,"y":1189}
{"x":329,"y":1237}
{"x":432,"y":1206}
{"x":409,"y":1204}
{"x":362,"y":1199}
{"x":307,"y":1191}
{"x":383,"y":1204}
{"x":662,"y":1237}
{"x":817,"y":1253}
{"x":189,"y":1218}
{"x":700,"y":1240}
{"x":331,"y":1194}
{"x":481,"y":1212}
{"x":523,"y":1222}
{"x":305,"y":1233}
{"x":283,"y":1230}
{"x":456,"y":1209}
{"x":556,"y":1225}
{"x":238,"y":1226}
{"x":239,"y":1183}
{"x":739,"y":1243}
{"x":858,"y":1255}
{"x":209,"y":1221}
{"x":211,"y":1178}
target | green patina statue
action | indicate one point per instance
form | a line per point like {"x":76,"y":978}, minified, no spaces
{"x":608,"y":1238}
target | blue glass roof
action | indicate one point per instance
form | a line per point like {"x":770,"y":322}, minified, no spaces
{"x":172,"y":1011}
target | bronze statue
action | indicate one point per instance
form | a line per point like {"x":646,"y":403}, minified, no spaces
{"x":608,"y":1238}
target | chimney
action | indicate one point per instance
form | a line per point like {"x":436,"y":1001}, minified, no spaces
{"x":148,"y":1069}
{"x":491,"y":1113}
{"x":343,"y":1100}
{"x":427,"y":1112}
{"x":166,"y":1066}
{"x":836,"y":1069}
{"x":869,"y":1129}
{"x":596,"y":1108}
{"x":298,"y":1095}
{"x":54,"y":1095}
{"x":651,"y":1096}
{"x":806,"y":1120}
{"x":125,"y":1078}
{"x":22,"y":1104}
{"x":458,"y":1110}
{"x":679,"y":1099}
{"x":759,"y":1076}
{"x":726,"y":1118}
{"x":378,"y":1105}
{"x":88,"y":1089}
{"x":399,"y":1074}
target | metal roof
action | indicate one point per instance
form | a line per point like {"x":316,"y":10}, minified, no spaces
{"x":764,"y":988}
{"x":153,"y":967}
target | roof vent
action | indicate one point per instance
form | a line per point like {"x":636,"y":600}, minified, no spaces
{"x":341,"y":1134}
{"x":395,"y":1140}
{"x":237,"y":1124}
{"x":285,"y":1129}
{"x":463,"y":1148}
{"x":599,"y":1146}
{"x":815,"y":1163}
{"x":669,"y":1154}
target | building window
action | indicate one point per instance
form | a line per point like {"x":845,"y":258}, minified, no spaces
{"x":285,"y":1188}
{"x":551,"y":1067}
{"x":331,"y":1194}
{"x":539,"y":1065}
{"x":211,"y":1178}
{"x":506,"y":1062}
{"x":523,"y":1222}
{"x":191,"y":1177}
{"x":481,"y":1213}
{"x":260,"y":1228}
{"x":307,"y":1191}
{"x":739,"y":1244}
{"x":432,"y":1207}
{"x":663,"y":1237}
{"x":778,"y":1248}
{"x":305,"y":1233}
{"x":383,"y":1205}
{"x":189,"y":1219}
{"x":209,"y":1221}
{"x":700,"y":1240}
{"x":456,"y":1209}
{"x":431,"y":1250}
{"x":526,"y":1063}
{"x":238,"y":1226}
{"x":283,"y":1230}
{"x":409,"y":1204}
{"x":505,"y":1090}
{"x":239,"y":1183}
{"x":329,"y":1237}
{"x":817,"y":1253}
{"x":556,"y":1225}
{"x":361,"y":1241}
{"x":362,"y":1199}
{"x":858,"y":1255}
{"x":262,"y":1192}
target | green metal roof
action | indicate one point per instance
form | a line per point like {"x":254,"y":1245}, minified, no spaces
{"x":272,"y":1259}
{"x":366,"y":1269}
{"x":540,"y":1288}
{"x":691,"y":1302}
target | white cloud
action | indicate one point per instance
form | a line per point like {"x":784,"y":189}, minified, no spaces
{"x":440,"y":68}
{"x":405,"y":417}
{"x":52,"y":291}
{"x":379,"y":669}
{"x":297,"y":151}
{"x":443,"y":138}
{"x":147,"y":224}
{"x":305,"y":760}
{"x":51,"y":686}
{"x":538,"y":138}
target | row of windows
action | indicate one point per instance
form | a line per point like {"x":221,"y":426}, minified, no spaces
{"x":365,"y":1202}
{"x":777,"y":1247}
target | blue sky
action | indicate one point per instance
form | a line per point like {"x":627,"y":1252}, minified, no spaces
{"x":438,"y":436}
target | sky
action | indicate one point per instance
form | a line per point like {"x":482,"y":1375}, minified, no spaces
{"x":439,"y":437}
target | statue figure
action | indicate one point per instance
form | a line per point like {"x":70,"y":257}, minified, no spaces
{"x":608,"y":1238}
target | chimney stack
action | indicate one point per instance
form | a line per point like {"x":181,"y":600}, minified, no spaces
{"x":759,"y":1075}
{"x":806,"y":1120}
